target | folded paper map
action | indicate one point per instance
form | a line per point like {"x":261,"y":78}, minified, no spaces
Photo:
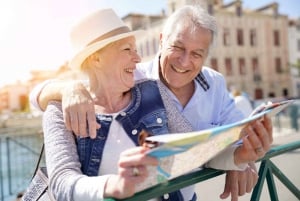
{"x":180,"y":153}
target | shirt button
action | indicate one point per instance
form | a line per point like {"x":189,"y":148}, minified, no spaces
{"x":159,"y":120}
{"x":123,"y":114}
{"x":134,"y":132}
{"x":166,"y":196}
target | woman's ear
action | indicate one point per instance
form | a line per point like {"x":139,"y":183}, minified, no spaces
{"x":94,"y":59}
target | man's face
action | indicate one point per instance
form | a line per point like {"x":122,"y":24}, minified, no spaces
{"x":182,"y":56}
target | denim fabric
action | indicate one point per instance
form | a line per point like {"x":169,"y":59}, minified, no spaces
{"x":90,"y":150}
{"x":145,"y":112}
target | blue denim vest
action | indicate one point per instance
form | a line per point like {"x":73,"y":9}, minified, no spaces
{"x":145,"y":112}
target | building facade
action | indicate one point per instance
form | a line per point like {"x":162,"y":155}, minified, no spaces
{"x":294,"y":55}
{"x":252,"y":49}
{"x":257,"y":50}
{"x":14,"y":97}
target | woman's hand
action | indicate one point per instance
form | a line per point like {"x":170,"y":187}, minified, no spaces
{"x":132,"y":171}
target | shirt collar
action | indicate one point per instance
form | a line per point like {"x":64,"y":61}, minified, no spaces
{"x":202,"y":81}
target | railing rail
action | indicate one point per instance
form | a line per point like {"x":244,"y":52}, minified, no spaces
{"x":268,"y":168}
{"x":266,"y":171}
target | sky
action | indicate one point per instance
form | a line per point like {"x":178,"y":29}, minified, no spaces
{"x":34,"y":33}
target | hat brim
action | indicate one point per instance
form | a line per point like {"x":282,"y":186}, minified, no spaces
{"x":76,"y":61}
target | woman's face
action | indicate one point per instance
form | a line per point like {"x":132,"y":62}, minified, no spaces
{"x":117,"y":63}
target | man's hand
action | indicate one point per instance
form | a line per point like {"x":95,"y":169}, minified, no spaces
{"x":238,"y":183}
{"x":257,"y":140}
{"x":79,"y":111}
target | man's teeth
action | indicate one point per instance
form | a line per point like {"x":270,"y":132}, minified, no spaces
{"x":179,"y":70}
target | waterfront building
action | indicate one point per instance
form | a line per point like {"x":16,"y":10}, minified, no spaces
{"x":256,"y":49}
{"x":294,"y":55}
{"x":252,"y":49}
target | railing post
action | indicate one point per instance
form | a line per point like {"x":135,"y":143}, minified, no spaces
{"x":271,"y":184}
{"x":8,"y":166}
{"x":260,"y":183}
{"x":278,"y":173}
{"x":268,"y":168}
{"x":1,"y":173}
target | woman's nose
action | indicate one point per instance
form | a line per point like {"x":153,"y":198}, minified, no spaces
{"x":136,"y":57}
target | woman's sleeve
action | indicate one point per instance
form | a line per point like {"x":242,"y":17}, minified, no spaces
{"x":62,"y":161}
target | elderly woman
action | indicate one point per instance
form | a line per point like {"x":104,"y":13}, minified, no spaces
{"x":106,"y":52}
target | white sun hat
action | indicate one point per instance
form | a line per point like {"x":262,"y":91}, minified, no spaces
{"x":96,"y":31}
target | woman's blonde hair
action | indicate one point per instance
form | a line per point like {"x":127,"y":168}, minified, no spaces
{"x":86,"y":63}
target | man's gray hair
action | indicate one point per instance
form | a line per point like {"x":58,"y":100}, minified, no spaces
{"x":194,"y":16}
